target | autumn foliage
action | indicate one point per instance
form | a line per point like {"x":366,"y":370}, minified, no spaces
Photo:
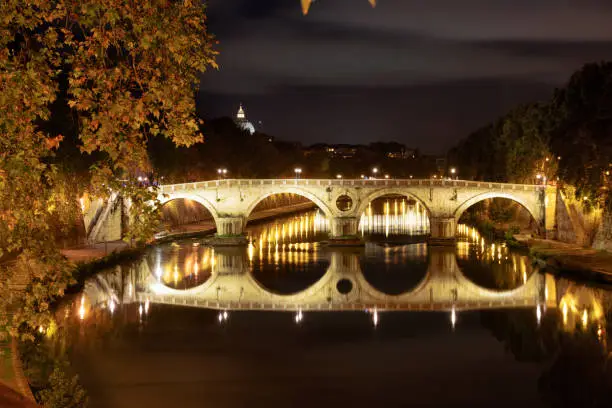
{"x":126,"y":70}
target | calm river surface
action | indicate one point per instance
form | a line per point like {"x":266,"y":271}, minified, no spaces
{"x":290,"y":322}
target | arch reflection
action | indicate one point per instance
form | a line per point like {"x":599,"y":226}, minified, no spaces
{"x":343,"y":285}
{"x":182,"y":266}
{"x":489,"y":264}
{"x":394,"y":270}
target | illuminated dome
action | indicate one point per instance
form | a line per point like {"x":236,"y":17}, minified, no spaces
{"x":242,"y":121}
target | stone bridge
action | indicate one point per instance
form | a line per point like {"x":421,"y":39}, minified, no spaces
{"x":231,"y":201}
{"x":343,"y":287}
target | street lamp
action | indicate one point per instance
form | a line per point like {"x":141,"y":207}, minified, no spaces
{"x":338,"y":176}
{"x":386,"y":176}
{"x":297,"y":172}
{"x":222,"y":172}
{"x":453,"y":172}
{"x":540,"y":177}
{"x":374,"y":172}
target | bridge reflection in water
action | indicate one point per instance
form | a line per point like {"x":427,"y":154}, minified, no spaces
{"x":222,"y":279}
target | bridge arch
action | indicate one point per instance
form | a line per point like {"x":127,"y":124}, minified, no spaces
{"x":367,"y":199}
{"x":534,"y":212}
{"x":166,"y":198}
{"x":289,"y":190}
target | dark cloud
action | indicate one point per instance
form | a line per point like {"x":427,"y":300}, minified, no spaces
{"x":423,"y":73}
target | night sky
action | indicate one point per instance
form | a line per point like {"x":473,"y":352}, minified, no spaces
{"x":424,"y":73}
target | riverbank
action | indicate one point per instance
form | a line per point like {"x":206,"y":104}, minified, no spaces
{"x":555,"y":256}
{"x":569,"y":259}
{"x":14,"y":388}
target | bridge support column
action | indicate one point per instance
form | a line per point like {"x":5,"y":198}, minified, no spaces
{"x":231,"y":260}
{"x":443,"y":230}
{"x":550,"y":212}
{"x":230,"y":232}
{"x":344,"y":231}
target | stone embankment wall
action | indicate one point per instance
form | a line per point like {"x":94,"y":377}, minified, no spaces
{"x":603,"y":238}
{"x":103,"y":218}
{"x":577,"y":224}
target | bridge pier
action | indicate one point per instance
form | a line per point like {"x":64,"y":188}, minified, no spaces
{"x":230,"y":232}
{"x":344,"y":232}
{"x":231,"y":260}
{"x":443,"y":230}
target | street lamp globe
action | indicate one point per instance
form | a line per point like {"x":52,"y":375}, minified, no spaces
{"x":338,"y":176}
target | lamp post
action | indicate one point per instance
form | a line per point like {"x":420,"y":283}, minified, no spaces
{"x":297,"y":172}
{"x":453,"y":171}
{"x":374,"y":172}
{"x":222,"y":172}
{"x":338,"y":176}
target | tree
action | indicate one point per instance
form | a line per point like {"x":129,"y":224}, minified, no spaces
{"x":583,"y":130}
{"x":131,"y":69}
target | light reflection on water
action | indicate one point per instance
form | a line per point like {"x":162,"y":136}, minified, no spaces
{"x":394,"y":216}
{"x":388,"y":217}
{"x":491,"y":264}
{"x":295,"y":261}
{"x":286,"y":257}
{"x":182,"y":266}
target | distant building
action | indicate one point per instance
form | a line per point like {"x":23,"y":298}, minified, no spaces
{"x":402,"y":154}
{"x":242,"y":122}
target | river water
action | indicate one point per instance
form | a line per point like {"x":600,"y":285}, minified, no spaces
{"x":291,"y":322}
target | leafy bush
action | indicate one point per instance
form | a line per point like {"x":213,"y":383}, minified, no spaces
{"x":63,"y":391}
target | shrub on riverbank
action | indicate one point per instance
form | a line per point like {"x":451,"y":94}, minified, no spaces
{"x":50,"y":376}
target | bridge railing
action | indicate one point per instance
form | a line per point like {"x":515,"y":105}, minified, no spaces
{"x":228,"y":183}
{"x":459,"y":305}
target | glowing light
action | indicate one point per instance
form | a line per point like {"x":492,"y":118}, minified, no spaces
{"x":539,"y":313}
{"x":82,"y":308}
{"x":251,"y":250}
{"x":564,"y":311}
{"x":146,"y":306}
{"x":111,"y":305}
{"x":375,"y":317}
{"x":453,"y":317}
{"x":41,"y":330}
{"x":299,"y":316}
{"x":585,"y":318}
